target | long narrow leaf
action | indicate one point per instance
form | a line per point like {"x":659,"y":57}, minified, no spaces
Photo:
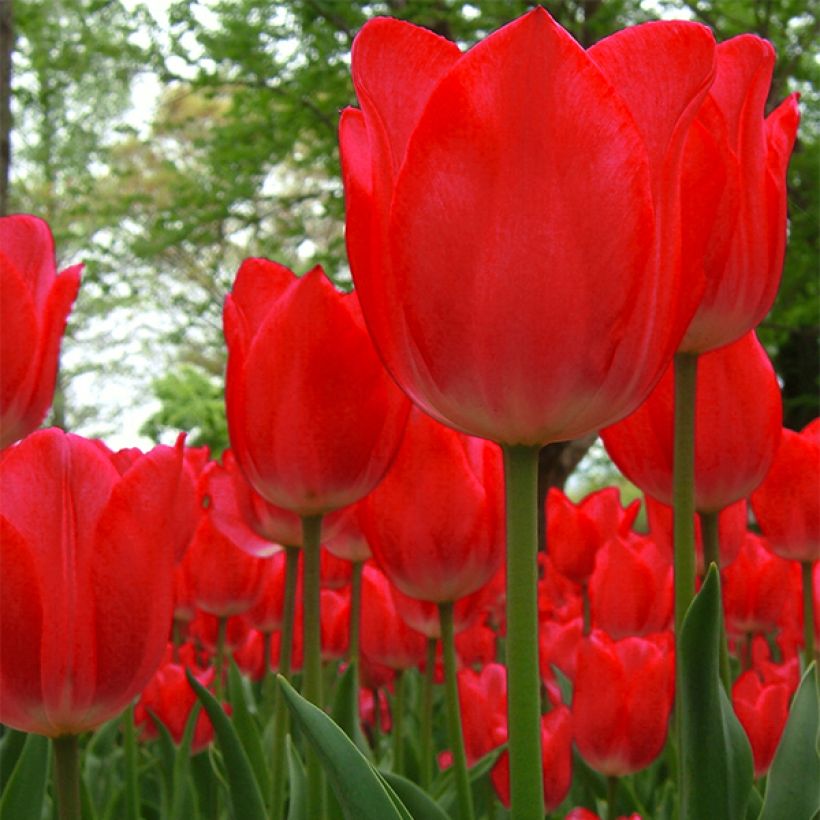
{"x":297,"y":780}
{"x":25,"y":791}
{"x":247,"y":729}
{"x":243,"y":789}
{"x":356,"y":784}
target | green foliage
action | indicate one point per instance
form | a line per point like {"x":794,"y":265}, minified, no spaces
{"x":24,"y":794}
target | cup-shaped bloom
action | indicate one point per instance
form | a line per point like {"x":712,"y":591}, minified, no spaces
{"x":88,"y":559}
{"x":762,"y":708}
{"x":492,"y":302}
{"x":787,"y":503}
{"x":622,"y":699}
{"x":575,"y":532}
{"x":267,"y":614}
{"x":630,"y":590}
{"x":348,"y":540}
{"x":483,"y":699}
{"x":34,"y":307}
{"x":760,"y":590}
{"x":435,"y":524}
{"x":741,"y":237}
{"x":314,"y":419}
{"x":738,"y":417}
{"x":732,"y":526}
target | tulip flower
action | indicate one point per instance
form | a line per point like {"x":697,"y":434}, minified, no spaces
{"x":738,"y":418}
{"x":88,"y":559}
{"x":492,"y":302}
{"x":34,"y":307}
{"x":622,"y":700}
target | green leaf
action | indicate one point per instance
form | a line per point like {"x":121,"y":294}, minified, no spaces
{"x":247,"y":728}
{"x":11,"y":745}
{"x":420,"y":805}
{"x":358,"y":788}
{"x":243,"y":789}
{"x":443,"y":789}
{"x":182,"y":791}
{"x":717,"y":757}
{"x":297,"y":781}
{"x":793,"y":786}
{"x":26,"y":788}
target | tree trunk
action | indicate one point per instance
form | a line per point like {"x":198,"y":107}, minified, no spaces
{"x":6,"y":46}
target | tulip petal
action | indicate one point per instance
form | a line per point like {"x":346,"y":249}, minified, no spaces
{"x":27,"y":243}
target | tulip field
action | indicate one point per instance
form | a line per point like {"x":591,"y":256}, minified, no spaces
{"x":364,"y":608}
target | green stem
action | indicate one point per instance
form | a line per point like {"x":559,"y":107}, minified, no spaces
{"x":587,"y":609}
{"x":463,"y":790}
{"x":710,"y":533}
{"x":355,"y":622}
{"x":427,"y":715}
{"x":312,"y":664}
{"x":219,"y":659}
{"x":377,"y":723}
{"x":809,"y":650}
{"x":611,"y":795}
{"x":67,"y":776}
{"x":398,"y":723}
{"x":523,"y":680}
{"x":132,"y":795}
{"x":280,"y":709}
{"x":683,"y":490}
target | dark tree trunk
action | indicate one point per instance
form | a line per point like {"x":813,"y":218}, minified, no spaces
{"x":6,"y":46}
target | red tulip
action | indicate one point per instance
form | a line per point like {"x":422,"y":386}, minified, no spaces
{"x":314,"y":419}
{"x":34,"y":306}
{"x":622,"y":700}
{"x":88,"y":562}
{"x":787,"y":503}
{"x":575,"y":533}
{"x":335,"y":623}
{"x":170,"y":698}
{"x":267,"y":613}
{"x":743,"y":236}
{"x":630,"y":590}
{"x":738,"y":417}
{"x":762,"y":709}
{"x":493,"y":303}
{"x":732,"y":527}
{"x":435,"y":524}
{"x":483,"y":698}
{"x":348,"y":541}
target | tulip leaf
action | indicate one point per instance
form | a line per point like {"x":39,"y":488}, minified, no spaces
{"x":182,"y":791}
{"x":361,"y":794}
{"x":793,"y":786}
{"x":247,"y":728}
{"x":11,"y":745}
{"x":716,"y":755}
{"x":420,"y":805}
{"x":297,"y":783}
{"x":242,"y":786}
{"x":25,"y":790}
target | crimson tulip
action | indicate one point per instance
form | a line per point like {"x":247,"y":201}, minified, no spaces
{"x":622,"y":700}
{"x":34,"y":307}
{"x":738,"y":418}
{"x":787,"y":503}
{"x":435,"y":524}
{"x":742,"y":237}
{"x":88,"y":560}
{"x":314,"y":420}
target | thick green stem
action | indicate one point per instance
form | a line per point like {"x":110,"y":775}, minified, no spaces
{"x":280,"y":710}
{"x":355,"y":621}
{"x":219,"y":659}
{"x":377,"y":723}
{"x":611,"y":796}
{"x":683,"y":489}
{"x":523,"y":680}
{"x":67,"y":776}
{"x":312,"y":664}
{"x":809,"y":650}
{"x":710,"y":533}
{"x":448,"y":643}
{"x":132,"y":795}
{"x":398,"y":723}
{"x":587,"y":611}
{"x":427,"y":715}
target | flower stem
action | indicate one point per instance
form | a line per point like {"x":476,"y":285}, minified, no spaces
{"x":523,"y":681}
{"x":683,"y":490}
{"x":67,"y":776}
{"x":427,"y":715}
{"x":219,"y":659}
{"x":710,"y":531}
{"x":809,"y":650}
{"x":132,"y":795}
{"x":611,"y":796}
{"x":280,"y":709}
{"x":463,"y":790}
{"x":398,"y":723}
{"x":355,"y":622}
{"x":312,"y":679}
